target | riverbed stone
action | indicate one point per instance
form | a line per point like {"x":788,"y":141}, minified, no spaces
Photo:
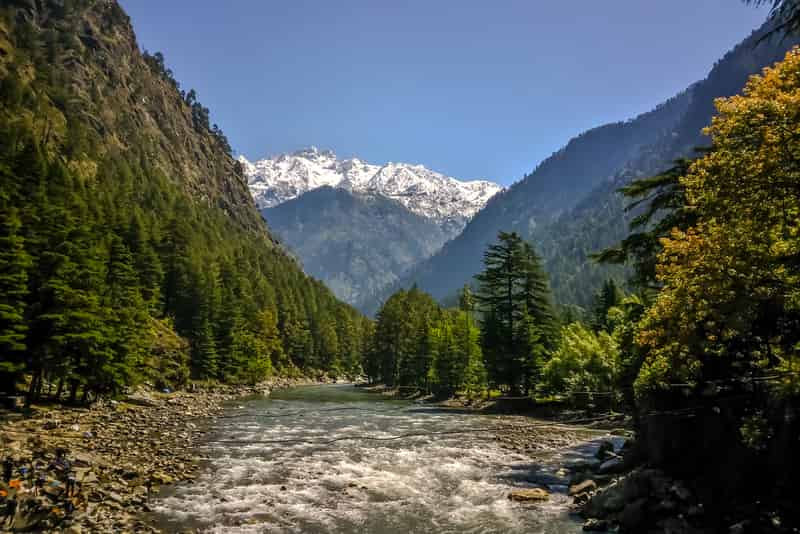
{"x":587,"y":486}
{"x":604,"y":448}
{"x":614,"y":465}
{"x":596,"y":525}
{"x":633,"y":515}
{"x":606,"y":501}
{"x":529,"y":495}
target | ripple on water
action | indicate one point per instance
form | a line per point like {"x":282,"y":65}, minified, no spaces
{"x":435,"y":483}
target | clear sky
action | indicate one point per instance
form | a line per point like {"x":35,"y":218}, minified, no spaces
{"x":471,"y":88}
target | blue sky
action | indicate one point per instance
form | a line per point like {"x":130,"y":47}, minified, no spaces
{"x":475,"y":89}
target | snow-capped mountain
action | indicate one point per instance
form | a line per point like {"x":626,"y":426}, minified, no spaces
{"x":429,"y":194}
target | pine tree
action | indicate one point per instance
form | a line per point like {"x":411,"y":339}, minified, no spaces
{"x":14,"y":263}
{"x":608,"y":297}
{"x":204,"y":354}
{"x":518,"y":321}
{"x":128,"y":314}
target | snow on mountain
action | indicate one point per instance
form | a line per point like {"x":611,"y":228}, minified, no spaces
{"x":425,"y":192}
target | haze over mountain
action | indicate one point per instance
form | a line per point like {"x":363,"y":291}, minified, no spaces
{"x":358,"y":226}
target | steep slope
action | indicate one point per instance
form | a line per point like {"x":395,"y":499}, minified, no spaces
{"x":447,"y":201}
{"x":569,"y":206}
{"x":599,"y":220}
{"x":356,"y":243}
{"x":124,"y":215}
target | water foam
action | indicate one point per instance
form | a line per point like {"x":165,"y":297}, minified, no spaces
{"x":434,"y":483}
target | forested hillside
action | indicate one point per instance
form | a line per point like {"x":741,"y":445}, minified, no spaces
{"x":130,"y":247}
{"x":357,"y":243}
{"x":569,"y":206}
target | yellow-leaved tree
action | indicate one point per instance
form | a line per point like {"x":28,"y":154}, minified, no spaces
{"x":729,"y":310}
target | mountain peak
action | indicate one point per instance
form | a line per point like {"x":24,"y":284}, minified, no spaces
{"x":313,"y":152}
{"x":447,"y":200}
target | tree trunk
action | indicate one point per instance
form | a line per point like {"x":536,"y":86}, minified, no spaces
{"x":73,"y":391}
{"x":59,"y":389}
{"x":31,"y":396}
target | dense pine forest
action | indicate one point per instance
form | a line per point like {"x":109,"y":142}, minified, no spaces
{"x":131,"y":251}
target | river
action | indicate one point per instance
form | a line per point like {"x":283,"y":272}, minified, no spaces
{"x":322,"y":459}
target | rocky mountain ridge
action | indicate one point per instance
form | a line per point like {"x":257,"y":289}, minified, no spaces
{"x":446,"y":200}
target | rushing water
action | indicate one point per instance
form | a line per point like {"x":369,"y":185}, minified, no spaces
{"x":278,"y":465}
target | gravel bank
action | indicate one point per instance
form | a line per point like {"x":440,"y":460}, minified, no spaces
{"x":116,"y":454}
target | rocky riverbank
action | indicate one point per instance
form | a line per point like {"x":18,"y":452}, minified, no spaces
{"x":94,"y":469}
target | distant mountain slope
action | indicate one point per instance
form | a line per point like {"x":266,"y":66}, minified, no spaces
{"x":357,"y":226}
{"x":356,"y":243}
{"x":569,"y":206}
{"x":556,"y":186}
{"x":448,"y":201}
{"x":599,"y":220}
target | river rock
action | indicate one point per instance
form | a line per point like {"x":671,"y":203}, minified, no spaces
{"x":587,"y":486}
{"x":596,"y":525}
{"x":681,"y":492}
{"x":633,"y":515}
{"x":605,"y":502}
{"x":162,"y":478}
{"x":529,"y":495}
{"x":589,"y":464}
{"x":604,"y":448}
{"x":614,"y":465}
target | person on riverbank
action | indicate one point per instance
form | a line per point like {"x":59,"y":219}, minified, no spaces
{"x":41,"y":478}
{"x":8,"y":469}
{"x":71,"y":484}
{"x":60,"y":464}
{"x":24,"y":472}
{"x":10,"y":511}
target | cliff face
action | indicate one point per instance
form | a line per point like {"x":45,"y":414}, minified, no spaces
{"x":128,"y":102}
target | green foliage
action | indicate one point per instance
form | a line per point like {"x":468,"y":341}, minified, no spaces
{"x":399,"y":355}
{"x":608,"y":297}
{"x":454,"y":342}
{"x":585,"y":363}
{"x":660,"y":206}
{"x":14,"y":265}
{"x":418,"y":345}
{"x":729,"y":306}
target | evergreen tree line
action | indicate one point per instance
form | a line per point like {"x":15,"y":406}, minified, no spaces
{"x":86,"y":272}
{"x":499,"y":337}
{"x":419,"y":346}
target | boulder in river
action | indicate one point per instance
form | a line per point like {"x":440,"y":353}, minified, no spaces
{"x":614,"y":465}
{"x":596,"y":525}
{"x":603,"y":450}
{"x":529,"y":495}
{"x":587,"y":486}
